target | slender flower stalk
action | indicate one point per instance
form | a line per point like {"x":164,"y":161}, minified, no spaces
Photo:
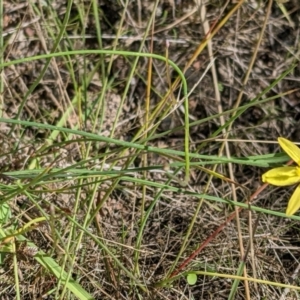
{"x":285,"y":176}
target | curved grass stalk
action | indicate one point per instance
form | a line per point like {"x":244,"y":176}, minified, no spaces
{"x":126,"y":53}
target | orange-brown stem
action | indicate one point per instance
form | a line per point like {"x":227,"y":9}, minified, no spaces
{"x":220,"y":228}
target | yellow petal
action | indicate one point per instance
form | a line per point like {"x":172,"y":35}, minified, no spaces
{"x":282,"y":176}
{"x":291,"y":149}
{"x":294,"y":203}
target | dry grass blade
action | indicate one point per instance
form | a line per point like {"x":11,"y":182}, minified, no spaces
{"x":124,"y":161}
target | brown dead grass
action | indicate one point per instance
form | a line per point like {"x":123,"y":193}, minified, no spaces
{"x":276,"y":240}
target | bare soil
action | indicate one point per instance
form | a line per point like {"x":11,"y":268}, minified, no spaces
{"x":30,"y":29}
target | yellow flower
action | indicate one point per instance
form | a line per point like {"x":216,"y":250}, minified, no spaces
{"x":284,"y":176}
